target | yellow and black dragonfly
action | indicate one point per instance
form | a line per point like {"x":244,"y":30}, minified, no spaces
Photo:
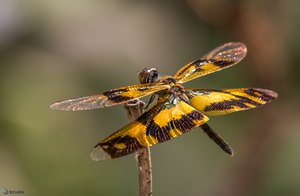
{"x":178,"y":109}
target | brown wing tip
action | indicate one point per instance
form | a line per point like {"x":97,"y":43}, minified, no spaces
{"x":236,"y":45}
{"x":55,"y":106}
{"x":98,"y":154}
{"x":62,"y":106}
{"x":80,"y":103}
{"x":240,"y":49}
{"x":243,"y":47}
{"x":271,"y":94}
{"x":232,"y":52}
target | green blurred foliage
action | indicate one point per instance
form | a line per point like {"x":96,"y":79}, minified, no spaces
{"x":52,"y":50}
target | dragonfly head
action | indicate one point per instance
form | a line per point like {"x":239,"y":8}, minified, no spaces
{"x":147,"y":76}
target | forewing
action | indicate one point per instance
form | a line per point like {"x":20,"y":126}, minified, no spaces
{"x":220,"y":58}
{"x":109,"y":98}
{"x":169,"y":118}
{"x":220,"y":102}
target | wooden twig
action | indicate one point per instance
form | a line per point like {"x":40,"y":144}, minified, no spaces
{"x":143,"y":156}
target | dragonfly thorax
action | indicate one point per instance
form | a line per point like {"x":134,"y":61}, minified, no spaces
{"x":169,"y":80}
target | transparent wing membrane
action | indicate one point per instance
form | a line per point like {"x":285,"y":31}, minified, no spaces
{"x":109,"y":98}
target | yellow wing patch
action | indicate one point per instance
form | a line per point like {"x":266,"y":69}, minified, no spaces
{"x":220,"y":102}
{"x":164,"y":117}
{"x":164,"y":121}
{"x":173,"y":120}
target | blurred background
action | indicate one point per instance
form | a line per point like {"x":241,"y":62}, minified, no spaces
{"x":52,"y":50}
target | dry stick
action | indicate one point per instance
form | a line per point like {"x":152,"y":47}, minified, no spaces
{"x":143,"y":156}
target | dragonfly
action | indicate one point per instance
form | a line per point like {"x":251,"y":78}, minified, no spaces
{"x":178,"y":109}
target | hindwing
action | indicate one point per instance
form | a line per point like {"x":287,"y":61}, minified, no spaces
{"x":169,"y":118}
{"x":220,"y":102}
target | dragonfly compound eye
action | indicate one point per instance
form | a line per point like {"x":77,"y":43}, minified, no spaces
{"x":148,"y":76}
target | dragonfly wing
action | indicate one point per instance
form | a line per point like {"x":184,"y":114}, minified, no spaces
{"x":220,"y":58}
{"x":169,"y":118}
{"x":109,"y":98}
{"x":220,"y":102}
